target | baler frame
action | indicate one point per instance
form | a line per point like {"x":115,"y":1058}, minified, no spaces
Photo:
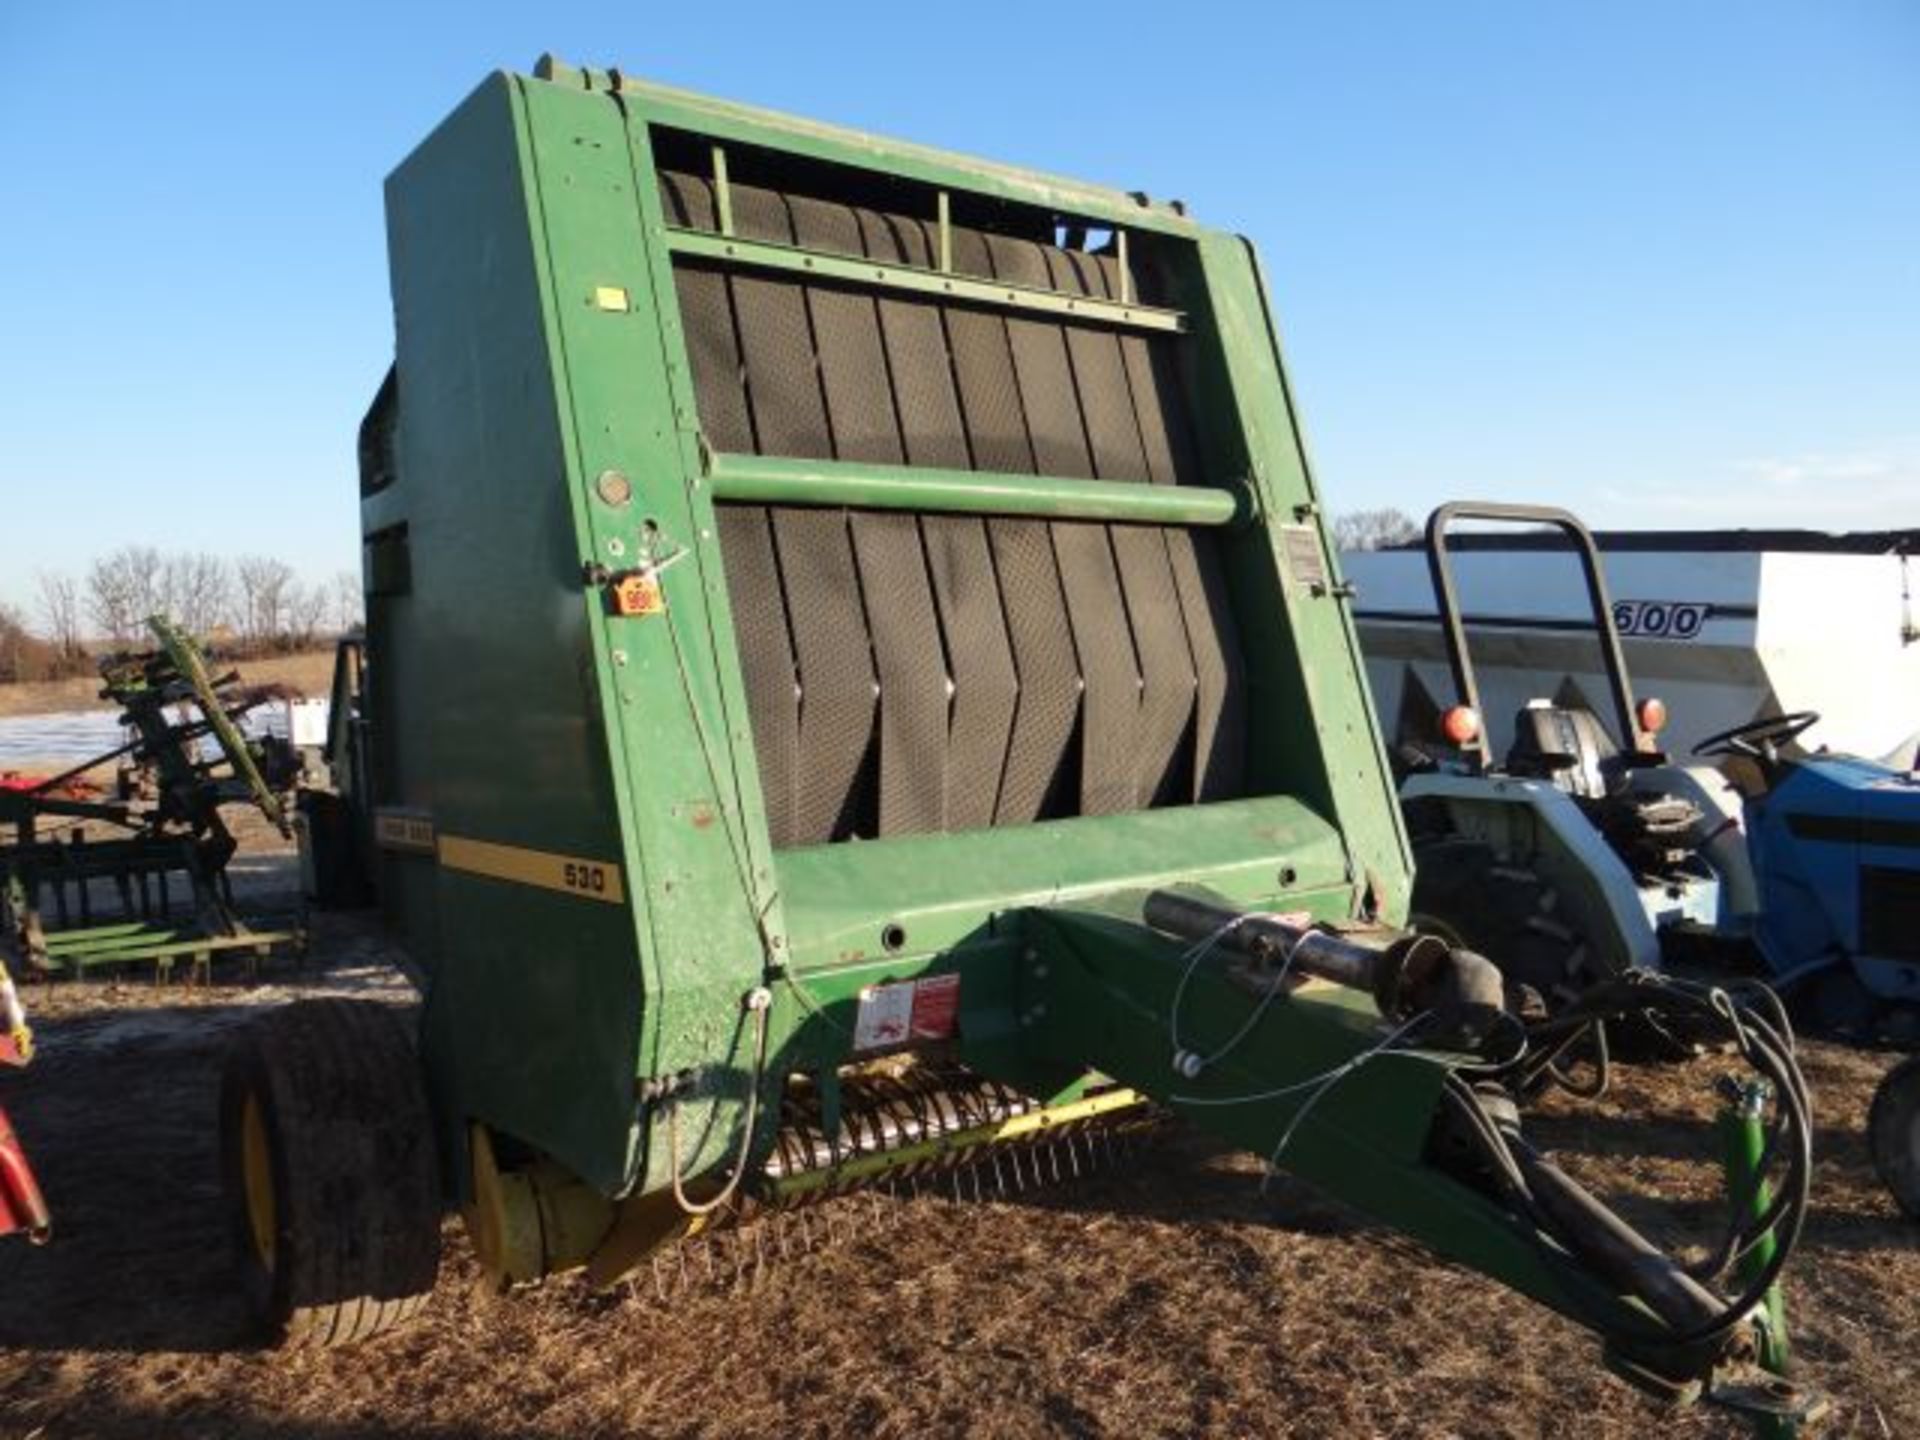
{"x":630,"y":948}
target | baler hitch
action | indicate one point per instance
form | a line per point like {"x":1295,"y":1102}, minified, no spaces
{"x":1459,"y":992}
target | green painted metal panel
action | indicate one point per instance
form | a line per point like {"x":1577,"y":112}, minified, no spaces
{"x":730,"y":121}
{"x":939,"y":890}
{"x":494,"y":726}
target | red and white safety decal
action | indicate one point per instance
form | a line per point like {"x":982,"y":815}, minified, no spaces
{"x":936,"y":1008}
{"x":907,"y":1011}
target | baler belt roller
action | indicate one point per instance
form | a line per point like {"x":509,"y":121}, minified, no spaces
{"x":777,"y":481}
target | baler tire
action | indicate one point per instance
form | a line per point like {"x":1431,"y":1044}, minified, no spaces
{"x":1462,"y":893}
{"x":1893,"y":1134}
{"x":345,"y":1242}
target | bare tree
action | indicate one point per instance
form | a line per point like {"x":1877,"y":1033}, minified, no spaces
{"x":60,"y":613}
{"x":123,"y":589}
{"x":16,"y":645}
{"x":349,"y":605}
{"x":1373,"y":529}
{"x":265,"y":585}
{"x":307,"y":607}
{"x":196,"y":590}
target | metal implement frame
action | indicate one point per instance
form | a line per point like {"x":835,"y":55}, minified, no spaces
{"x":627,"y":986}
{"x":183,"y":836}
{"x":579,"y":209}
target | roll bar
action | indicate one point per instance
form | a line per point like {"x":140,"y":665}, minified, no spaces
{"x":1447,"y":601}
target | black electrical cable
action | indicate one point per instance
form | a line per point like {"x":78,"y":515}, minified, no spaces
{"x":1767,"y":1047}
{"x":1602,"y":1063}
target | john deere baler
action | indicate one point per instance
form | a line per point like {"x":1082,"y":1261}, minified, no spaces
{"x":856,"y":681}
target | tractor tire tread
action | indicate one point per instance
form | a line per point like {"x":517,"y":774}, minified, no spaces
{"x":1893,"y":1134}
{"x":355,"y":1176}
{"x":1499,"y":910}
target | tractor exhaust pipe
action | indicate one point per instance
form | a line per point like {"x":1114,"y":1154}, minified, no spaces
{"x":1405,"y":973}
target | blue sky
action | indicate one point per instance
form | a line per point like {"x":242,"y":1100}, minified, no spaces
{"x":1658,"y":261}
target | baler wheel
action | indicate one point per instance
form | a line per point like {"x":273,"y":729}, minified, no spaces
{"x":331,"y":1178}
{"x":1893,"y":1134}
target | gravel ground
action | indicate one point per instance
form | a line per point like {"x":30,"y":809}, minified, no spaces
{"x":1170,"y":1298}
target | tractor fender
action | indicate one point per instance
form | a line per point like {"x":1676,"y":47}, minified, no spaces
{"x":1535,"y":822}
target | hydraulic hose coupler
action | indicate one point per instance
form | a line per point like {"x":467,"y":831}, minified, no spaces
{"x":1462,"y":990}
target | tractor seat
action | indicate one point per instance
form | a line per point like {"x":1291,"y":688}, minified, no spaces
{"x":1568,"y":745}
{"x":1564,"y":744}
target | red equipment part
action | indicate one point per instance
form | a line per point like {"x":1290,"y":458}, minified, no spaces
{"x":73,"y":787}
{"x":22,"y":1207}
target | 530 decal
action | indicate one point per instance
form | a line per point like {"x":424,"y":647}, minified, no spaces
{"x":585,"y":876}
{"x":1660,"y":619}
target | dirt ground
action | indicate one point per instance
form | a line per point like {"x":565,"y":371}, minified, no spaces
{"x":1167,"y":1298}
{"x":309,"y":674}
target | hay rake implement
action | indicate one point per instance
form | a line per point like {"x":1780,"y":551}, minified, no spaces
{"x":154,"y":890}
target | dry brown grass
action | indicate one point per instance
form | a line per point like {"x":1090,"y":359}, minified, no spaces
{"x":308,"y":674}
{"x":1170,"y":1300}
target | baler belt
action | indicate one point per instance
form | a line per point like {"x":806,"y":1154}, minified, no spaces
{"x":905,"y":633}
{"x":981,"y":690}
{"x":766,"y":655}
{"x":1046,"y":669}
{"x":909,"y":674}
{"x":985,"y":688}
{"x":1109,"y":670}
{"x":817,"y":571}
{"x":1166,"y":688}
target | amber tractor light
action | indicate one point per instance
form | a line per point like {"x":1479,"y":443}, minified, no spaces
{"x":1460,"y":725}
{"x":1652,"y":715}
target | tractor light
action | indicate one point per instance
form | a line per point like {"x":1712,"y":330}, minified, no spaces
{"x":1460,"y":725}
{"x":1653,"y":715}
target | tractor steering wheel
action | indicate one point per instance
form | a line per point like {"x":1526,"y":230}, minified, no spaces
{"x":1760,"y":739}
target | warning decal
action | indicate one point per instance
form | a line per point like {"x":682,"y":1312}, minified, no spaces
{"x":907,"y":1011}
{"x":936,"y":1008}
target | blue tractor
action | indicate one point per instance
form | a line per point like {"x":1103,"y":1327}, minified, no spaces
{"x":1835,"y":843}
{"x":1584,"y":852}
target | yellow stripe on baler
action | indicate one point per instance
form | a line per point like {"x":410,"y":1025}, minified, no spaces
{"x":569,"y":874}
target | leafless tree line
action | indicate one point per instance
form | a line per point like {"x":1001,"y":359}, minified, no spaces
{"x":1374,"y":529}
{"x":257,"y":603}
